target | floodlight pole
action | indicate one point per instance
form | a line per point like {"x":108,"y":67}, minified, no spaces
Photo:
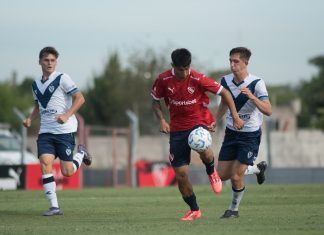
{"x":22,"y":117}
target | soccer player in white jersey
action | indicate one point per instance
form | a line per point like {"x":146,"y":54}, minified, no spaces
{"x":240,"y":147}
{"x":57,"y":99}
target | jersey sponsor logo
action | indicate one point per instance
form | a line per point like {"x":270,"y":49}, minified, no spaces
{"x":245,"y":116}
{"x":182,"y":102}
{"x":191,"y":90}
{"x":48,"y":111}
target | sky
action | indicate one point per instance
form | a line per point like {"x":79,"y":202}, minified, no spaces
{"x":282,"y":34}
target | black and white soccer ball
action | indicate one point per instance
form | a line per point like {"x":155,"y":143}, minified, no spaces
{"x":199,"y":139}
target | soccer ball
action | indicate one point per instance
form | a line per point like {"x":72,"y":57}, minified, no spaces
{"x":199,"y":139}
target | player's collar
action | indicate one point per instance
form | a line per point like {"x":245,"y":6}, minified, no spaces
{"x":49,"y":77}
{"x":172,"y":71}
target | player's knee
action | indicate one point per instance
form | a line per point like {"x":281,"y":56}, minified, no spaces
{"x":207,"y":156}
{"x":236,"y":178}
{"x":181,"y":176}
{"x":67,"y":172}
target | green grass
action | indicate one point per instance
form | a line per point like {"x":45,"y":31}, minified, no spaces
{"x":266,"y":209}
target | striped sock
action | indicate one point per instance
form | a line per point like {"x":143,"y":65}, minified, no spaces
{"x":237,"y":195}
{"x":252,"y":170}
{"x":50,"y":189}
{"x":77,"y":160}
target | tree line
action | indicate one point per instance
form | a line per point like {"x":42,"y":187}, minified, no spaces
{"x":118,"y":88}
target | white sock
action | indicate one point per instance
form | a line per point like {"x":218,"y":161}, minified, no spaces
{"x":50,"y":189}
{"x":237,"y":196}
{"x":77,"y":160}
{"x":252,"y":170}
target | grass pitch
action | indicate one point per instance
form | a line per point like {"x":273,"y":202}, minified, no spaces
{"x":265,"y":209}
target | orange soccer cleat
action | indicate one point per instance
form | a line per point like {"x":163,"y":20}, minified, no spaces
{"x":215,"y":182}
{"x":191,"y":215}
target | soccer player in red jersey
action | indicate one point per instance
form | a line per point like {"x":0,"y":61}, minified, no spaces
{"x":184,"y":92}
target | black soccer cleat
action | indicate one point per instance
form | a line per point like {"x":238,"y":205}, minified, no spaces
{"x":261,"y":176}
{"x":229,"y":214}
{"x":87,"y":158}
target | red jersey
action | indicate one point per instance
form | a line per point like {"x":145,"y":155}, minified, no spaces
{"x":186,"y":99}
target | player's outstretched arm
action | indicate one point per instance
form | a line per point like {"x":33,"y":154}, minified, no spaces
{"x":34,"y":114}
{"x":238,"y":123}
{"x":164,"y":125}
{"x":263,"y":105}
{"x":221,"y":110}
{"x":78,"y":101}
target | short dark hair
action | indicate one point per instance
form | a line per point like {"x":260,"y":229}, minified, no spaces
{"x":244,"y":52}
{"x":48,"y":50}
{"x":181,"y":57}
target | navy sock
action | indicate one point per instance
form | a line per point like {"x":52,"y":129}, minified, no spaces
{"x":210,"y":167}
{"x":192,"y":202}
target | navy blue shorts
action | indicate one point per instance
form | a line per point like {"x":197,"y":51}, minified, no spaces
{"x":241,"y":146}
{"x":60,"y":145}
{"x":180,"y":152}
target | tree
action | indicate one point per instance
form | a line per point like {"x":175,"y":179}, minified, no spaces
{"x":282,"y":95}
{"x":312,"y":94}
{"x":118,"y":89}
{"x":12,"y":95}
{"x":144,"y":68}
{"x":218,"y":74}
{"x":106,"y":99}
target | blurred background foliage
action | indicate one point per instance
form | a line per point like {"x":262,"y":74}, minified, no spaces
{"x":120,"y":87}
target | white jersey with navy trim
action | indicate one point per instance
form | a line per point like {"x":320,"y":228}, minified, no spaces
{"x":246,"y":109}
{"x":54,"y":97}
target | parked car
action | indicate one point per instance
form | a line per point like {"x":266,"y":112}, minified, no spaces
{"x":10,"y":149}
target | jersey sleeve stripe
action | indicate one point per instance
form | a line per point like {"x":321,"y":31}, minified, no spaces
{"x":73,"y":91}
{"x":219,"y":90}
{"x":264,"y":97}
{"x":154,"y":97}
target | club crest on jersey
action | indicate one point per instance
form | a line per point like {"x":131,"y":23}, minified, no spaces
{"x":191,"y":90}
{"x":51,"y":88}
{"x":68,"y":151}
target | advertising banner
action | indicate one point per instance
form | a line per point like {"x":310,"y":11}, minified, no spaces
{"x":154,"y":174}
{"x":34,"y":178}
{"x":12,"y":177}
